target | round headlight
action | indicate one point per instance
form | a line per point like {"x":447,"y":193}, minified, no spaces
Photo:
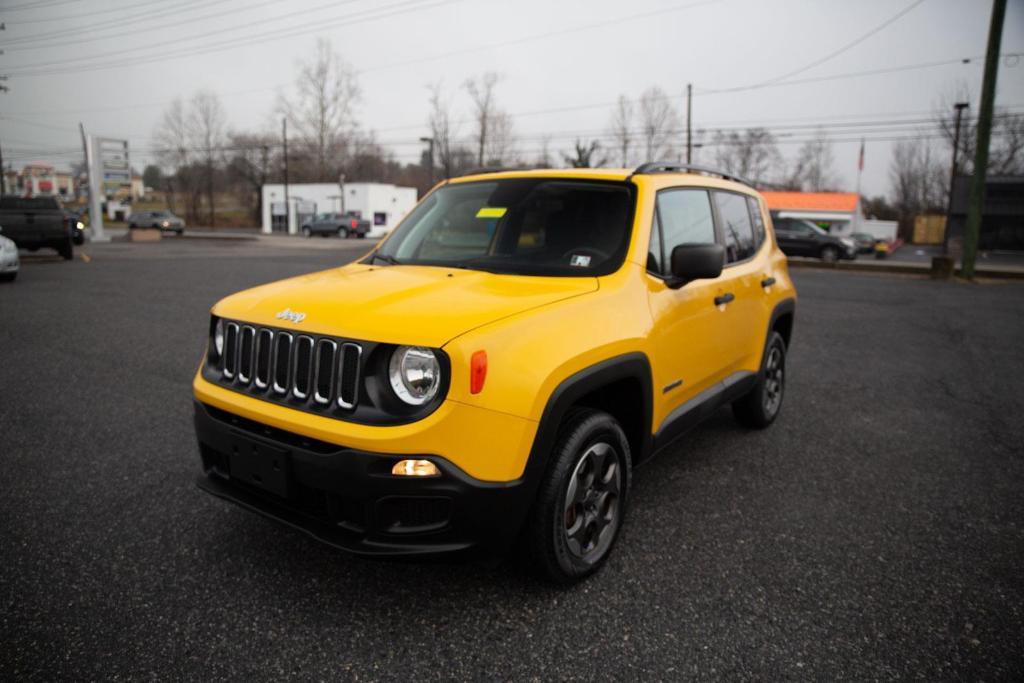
{"x":218,"y":338}
{"x":415,"y":374}
{"x":80,"y":225}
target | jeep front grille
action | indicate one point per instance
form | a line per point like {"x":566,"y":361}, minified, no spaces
{"x":317,"y":373}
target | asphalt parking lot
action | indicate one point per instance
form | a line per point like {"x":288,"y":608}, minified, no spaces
{"x":875,"y":531}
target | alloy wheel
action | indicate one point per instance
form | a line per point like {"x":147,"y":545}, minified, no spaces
{"x":774,"y":378}
{"x":591,"y":512}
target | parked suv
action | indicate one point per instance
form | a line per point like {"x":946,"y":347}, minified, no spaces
{"x":162,"y":220}
{"x":802,"y":238}
{"x":490,"y":375}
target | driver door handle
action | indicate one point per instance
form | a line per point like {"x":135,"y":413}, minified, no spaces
{"x":724,"y":299}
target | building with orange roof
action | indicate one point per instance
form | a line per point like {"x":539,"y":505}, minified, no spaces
{"x":834,"y":211}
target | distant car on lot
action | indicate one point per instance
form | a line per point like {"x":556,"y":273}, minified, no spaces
{"x":865,"y":242}
{"x":802,"y":238}
{"x":341,"y":224}
{"x":34,"y":222}
{"x":9,"y":261}
{"x":165,"y":221}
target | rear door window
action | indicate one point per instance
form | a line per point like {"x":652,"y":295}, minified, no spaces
{"x":737,"y":230}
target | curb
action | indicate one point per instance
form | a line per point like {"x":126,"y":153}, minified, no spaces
{"x":902,"y":268}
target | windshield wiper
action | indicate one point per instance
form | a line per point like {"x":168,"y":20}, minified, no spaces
{"x":386,"y":258}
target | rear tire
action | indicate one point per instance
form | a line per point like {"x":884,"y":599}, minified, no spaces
{"x":307,"y":233}
{"x":829,"y":254}
{"x":343,"y":233}
{"x":66,"y":250}
{"x":581,"y":503}
{"x":8,"y":277}
{"x":762,"y":405}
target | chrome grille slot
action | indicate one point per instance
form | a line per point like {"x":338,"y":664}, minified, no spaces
{"x":303,"y":367}
{"x":246,"y":344}
{"x":231,"y":350}
{"x":348,"y":375}
{"x":264,"y":354}
{"x":282,"y":362}
{"x":323,"y":375}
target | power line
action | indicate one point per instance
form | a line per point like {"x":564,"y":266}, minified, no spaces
{"x":40,"y":69}
{"x":91,"y":13}
{"x":38,"y":5}
{"x":847,"y":46}
{"x":20,"y":42}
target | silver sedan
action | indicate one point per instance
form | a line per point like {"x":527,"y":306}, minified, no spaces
{"x":9,"y":261}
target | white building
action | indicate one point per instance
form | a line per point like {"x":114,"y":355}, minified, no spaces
{"x":383,"y":205}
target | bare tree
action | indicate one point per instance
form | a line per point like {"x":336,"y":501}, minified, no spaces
{"x":544,"y":157}
{"x":250,"y":167}
{"x":583,"y":155}
{"x":443,"y":128}
{"x":172,"y":141}
{"x":501,"y":141}
{"x":751,"y":154}
{"x":206,"y":131}
{"x":815,"y":164}
{"x":1006,"y":156}
{"x":918,"y":179}
{"x":481,"y":91}
{"x":322,"y":111}
{"x":620,"y":129}
{"x":659,"y":123}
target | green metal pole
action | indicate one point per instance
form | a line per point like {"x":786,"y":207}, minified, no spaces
{"x":988,"y":95}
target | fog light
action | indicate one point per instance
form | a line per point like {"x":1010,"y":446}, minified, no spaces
{"x":415,"y":468}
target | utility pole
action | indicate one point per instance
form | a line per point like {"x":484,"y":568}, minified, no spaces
{"x":3,"y":173}
{"x":287,"y":206}
{"x":988,"y":96}
{"x":689,"y":127}
{"x":959,"y":106}
{"x":430,"y":159}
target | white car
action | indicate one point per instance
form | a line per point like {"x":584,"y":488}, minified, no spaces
{"x":9,"y":261}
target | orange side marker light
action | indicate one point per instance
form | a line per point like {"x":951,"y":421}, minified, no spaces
{"x":477,"y":372}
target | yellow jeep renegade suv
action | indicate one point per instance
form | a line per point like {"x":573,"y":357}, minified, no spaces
{"x":491,"y":372}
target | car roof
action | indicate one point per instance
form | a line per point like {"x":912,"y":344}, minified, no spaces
{"x":658,"y":179}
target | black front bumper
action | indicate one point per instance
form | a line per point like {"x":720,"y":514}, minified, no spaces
{"x":348,"y":498}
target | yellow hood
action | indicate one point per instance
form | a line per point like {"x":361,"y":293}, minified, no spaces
{"x":416,"y":305}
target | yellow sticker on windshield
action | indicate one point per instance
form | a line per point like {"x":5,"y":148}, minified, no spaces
{"x":491,"y":212}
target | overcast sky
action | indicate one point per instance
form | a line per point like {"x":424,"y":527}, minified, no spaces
{"x":563,"y":64}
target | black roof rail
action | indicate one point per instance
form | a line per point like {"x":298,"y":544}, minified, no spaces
{"x":674,"y":166}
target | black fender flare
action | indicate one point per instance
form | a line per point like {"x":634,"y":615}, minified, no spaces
{"x":634,"y":366}
{"x":784,"y":307}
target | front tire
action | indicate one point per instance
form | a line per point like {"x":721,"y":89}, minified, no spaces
{"x":343,"y":233}
{"x":761,"y":406}
{"x":581,"y":503}
{"x":830,"y":254}
{"x":307,"y":233}
{"x":8,"y":277}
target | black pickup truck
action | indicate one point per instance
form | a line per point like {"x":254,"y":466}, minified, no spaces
{"x":36,"y":222}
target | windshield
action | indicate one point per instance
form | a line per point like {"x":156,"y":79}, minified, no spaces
{"x":527,"y":226}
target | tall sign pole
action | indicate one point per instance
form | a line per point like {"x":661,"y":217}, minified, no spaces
{"x":988,"y":96}
{"x":95,"y":191}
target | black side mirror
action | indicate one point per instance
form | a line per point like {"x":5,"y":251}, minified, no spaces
{"x":696,"y":262}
